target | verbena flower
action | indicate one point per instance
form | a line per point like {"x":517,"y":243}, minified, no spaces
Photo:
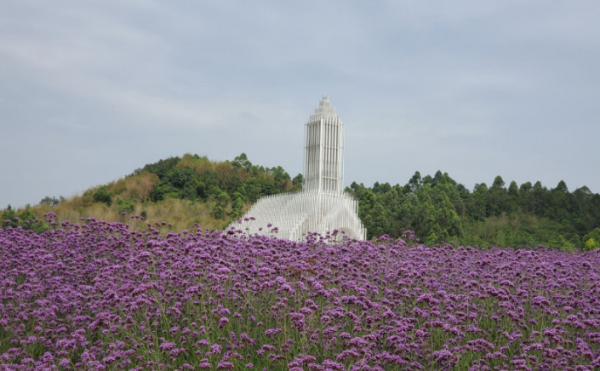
{"x":99,"y":296}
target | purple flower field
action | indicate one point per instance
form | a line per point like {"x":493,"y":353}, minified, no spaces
{"x":96,"y":296}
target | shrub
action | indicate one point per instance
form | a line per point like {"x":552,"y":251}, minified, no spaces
{"x":217,"y":212}
{"x":125,"y":206}
{"x":590,"y":245}
{"x":102,"y":195}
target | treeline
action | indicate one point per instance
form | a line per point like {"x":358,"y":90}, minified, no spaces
{"x":230,"y":184}
{"x":440,"y":209}
{"x":192,"y":189}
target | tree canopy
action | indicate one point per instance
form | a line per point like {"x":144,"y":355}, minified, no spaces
{"x":437,"y":208}
{"x":440,"y":209}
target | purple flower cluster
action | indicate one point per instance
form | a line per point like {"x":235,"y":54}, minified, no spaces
{"x":99,"y":296}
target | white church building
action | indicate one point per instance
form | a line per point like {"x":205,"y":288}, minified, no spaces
{"x":321,"y":206}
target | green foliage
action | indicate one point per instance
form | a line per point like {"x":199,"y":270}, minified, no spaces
{"x":237,"y":205}
{"x":180,"y":177}
{"x":197,"y":178}
{"x":592,"y":240}
{"x":160,"y":168}
{"x":241,"y":162}
{"x":252,"y":189}
{"x":223,"y":199}
{"x":436,"y":207}
{"x":594,"y":235}
{"x":439,"y":210}
{"x":52,"y":201}
{"x":217,"y":211}
{"x":591,"y":244}
{"x":26,"y":220}
{"x":102,"y":195}
{"x":163,"y":191}
{"x":8,"y":218}
{"x":297,"y":182}
{"x":125,"y":205}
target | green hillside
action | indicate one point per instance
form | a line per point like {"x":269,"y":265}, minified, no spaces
{"x":192,"y":189}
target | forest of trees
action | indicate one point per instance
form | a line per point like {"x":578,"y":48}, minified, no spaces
{"x":437,"y":209}
{"x":230,"y":184}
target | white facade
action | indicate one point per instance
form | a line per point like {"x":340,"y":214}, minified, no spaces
{"x":324,"y":150}
{"x":322,"y":205}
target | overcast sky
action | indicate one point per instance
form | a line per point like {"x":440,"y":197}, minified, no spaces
{"x":90,"y":91}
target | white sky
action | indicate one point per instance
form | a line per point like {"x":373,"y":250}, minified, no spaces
{"x":89,"y":90}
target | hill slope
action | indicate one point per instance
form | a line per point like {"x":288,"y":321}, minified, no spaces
{"x":192,"y":189}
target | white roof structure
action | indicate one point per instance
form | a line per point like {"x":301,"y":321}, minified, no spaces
{"x":322,"y":206}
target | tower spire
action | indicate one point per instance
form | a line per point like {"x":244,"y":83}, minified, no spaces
{"x":323,"y":152}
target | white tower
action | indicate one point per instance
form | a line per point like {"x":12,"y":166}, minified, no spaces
{"x":324,"y":150}
{"x":322,"y":205}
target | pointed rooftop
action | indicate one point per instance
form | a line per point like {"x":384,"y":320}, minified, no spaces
{"x":324,"y":110}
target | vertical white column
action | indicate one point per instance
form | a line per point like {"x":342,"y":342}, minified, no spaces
{"x":320,"y":153}
{"x":331,"y":158}
{"x":343,"y":135}
{"x":315,"y":154}
{"x":341,"y":153}
{"x":328,"y":155}
{"x":312,"y":155}
{"x":334,"y":156}
{"x":325,"y":155}
{"x":324,"y":144}
{"x":337,"y":147}
{"x":304,"y":183}
{"x":314,"y":162}
{"x":340,"y":156}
